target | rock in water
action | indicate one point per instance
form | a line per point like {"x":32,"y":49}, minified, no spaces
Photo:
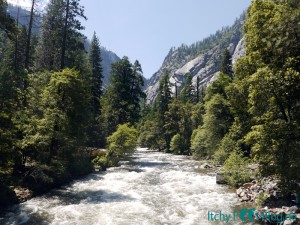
{"x":220,"y":179}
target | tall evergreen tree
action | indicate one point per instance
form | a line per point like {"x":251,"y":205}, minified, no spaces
{"x":226,"y":65}
{"x":15,"y":56}
{"x":61,"y":41}
{"x":162,"y":106}
{"x":97,"y":72}
{"x":28,"y":50}
{"x":136,"y":90}
{"x":188,"y":91}
{"x":179,"y":126}
{"x":121,"y":102}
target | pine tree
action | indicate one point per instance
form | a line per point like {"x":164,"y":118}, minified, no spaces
{"x":61,"y":41}
{"x":121,"y":102}
{"x":226,"y":66}
{"x":162,"y":106}
{"x":15,"y":56}
{"x":97,"y":73}
{"x":187,"y":94}
{"x":137,"y":90}
{"x":28,"y":52}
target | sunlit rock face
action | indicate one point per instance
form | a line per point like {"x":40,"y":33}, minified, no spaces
{"x":203,"y":63}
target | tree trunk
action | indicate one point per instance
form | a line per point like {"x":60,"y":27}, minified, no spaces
{"x":63,"y":49}
{"x":27,"y":54}
{"x":17,"y":42}
{"x":54,"y":142}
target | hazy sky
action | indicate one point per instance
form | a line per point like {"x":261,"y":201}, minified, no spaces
{"x":147,"y":29}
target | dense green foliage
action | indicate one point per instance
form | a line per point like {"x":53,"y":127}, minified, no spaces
{"x":52,"y":102}
{"x":250,"y":113}
{"x":121,"y":101}
{"x":274,"y":100}
{"x":236,"y":171}
{"x":95,"y":60}
{"x":121,"y":143}
{"x":226,"y":66}
{"x":216,"y":122}
{"x":7,"y":24}
{"x":61,"y":43}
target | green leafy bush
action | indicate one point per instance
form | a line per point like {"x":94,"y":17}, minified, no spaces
{"x":260,"y":200}
{"x":216,"y":123}
{"x":150,"y":135}
{"x":123,"y":141}
{"x":101,"y":162}
{"x":42,"y":177}
{"x":226,"y":146}
{"x":176,"y":144}
{"x":235,"y":169}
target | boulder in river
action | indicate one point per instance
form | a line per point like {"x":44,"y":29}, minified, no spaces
{"x":206,"y":166}
{"x":247,"y":185}
{"x":220,"y":179}
{"x":23,"y":194}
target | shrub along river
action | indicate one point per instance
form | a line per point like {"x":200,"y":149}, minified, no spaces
{"x":151,"y":188}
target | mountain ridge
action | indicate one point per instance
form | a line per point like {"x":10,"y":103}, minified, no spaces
{"x":202,"y":59}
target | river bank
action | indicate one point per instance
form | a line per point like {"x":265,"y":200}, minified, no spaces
{"x":11,"y":195}
{"x":264,"y":195}
{"x":35,"y":180}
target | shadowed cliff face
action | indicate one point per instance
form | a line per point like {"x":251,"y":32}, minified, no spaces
{"x":202,"y":59}
{"x":108,"y":58}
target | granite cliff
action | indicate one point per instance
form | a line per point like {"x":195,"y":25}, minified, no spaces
{"x":201,"y":59}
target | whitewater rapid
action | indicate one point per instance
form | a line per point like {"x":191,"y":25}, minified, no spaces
{"x":150,"y":189}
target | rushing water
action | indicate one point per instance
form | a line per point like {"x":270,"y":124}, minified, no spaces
{"x":152,"y":188}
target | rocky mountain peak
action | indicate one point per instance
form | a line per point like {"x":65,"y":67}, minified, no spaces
{"x":201,"y":59}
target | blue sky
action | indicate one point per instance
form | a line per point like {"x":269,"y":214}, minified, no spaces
{"x":147,"y":29}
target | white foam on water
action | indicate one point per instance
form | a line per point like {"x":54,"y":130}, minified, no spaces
{"x":154,"y":188}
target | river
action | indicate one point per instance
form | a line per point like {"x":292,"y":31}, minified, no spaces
{"x":150,"y":189}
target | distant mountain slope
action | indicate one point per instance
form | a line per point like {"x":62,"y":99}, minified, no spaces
{"x":201,"y":59}
{"x":24,"y":17}
{"x":108,"y":57}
